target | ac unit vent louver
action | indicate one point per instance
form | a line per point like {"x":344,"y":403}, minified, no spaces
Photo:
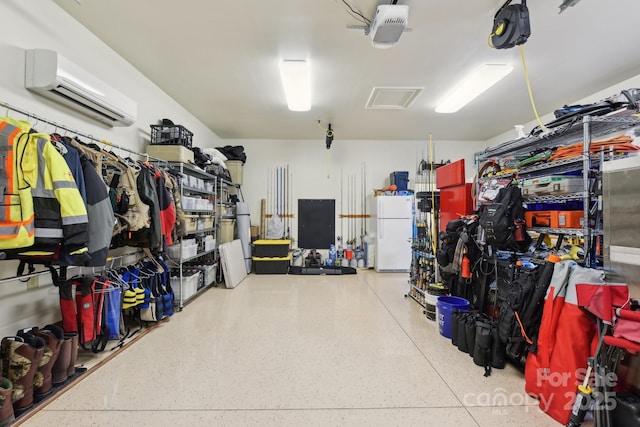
{"x":53,"y":76}
{"x":109,"y":116}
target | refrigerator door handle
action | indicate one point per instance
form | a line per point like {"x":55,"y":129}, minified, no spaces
{"x":380,"y":230}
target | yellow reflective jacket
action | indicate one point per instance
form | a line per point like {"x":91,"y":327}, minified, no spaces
{"x":60,"y":211}
{"x":16,"y":210}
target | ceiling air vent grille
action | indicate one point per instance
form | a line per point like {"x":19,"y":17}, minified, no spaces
{"x":392,"y":98}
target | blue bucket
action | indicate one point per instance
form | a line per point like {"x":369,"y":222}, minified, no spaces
{"x":445,"y":307}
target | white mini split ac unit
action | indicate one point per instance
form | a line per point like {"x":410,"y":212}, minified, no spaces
{"x":388,"y":25}
{"x":55,"y":77}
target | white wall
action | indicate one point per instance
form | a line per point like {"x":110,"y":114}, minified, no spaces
{"x":42,"y":24}
{"x":317,"y":172}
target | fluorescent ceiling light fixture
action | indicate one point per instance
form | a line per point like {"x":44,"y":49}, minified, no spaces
{"x":473,"y":85}
{"x":296,"y":80}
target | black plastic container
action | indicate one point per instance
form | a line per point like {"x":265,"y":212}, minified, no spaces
{"x":171,"y":135}
{"x":271,"y":265}
{"x":271,"y":248}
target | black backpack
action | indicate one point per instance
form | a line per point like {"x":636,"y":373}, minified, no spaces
{"x":448,"y":242}
{"x":503,"y":221}
{"x":516,"y":327}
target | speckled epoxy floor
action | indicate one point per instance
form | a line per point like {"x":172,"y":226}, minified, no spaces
{"x":298,"y":351}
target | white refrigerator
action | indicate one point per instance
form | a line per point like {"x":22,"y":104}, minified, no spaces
{"x":392,"y":223}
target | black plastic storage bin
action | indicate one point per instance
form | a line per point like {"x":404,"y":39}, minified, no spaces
{"x":171,"y":135}
{"x":271,"y":248}
{"x":271,"y":265}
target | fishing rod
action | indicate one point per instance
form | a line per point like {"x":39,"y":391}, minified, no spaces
{"x":341,"y":204}
{"x":362,"y":202}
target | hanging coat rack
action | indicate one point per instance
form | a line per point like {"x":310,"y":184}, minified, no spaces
{"x":40,"y":119}
{"x":62,"y":271}
{"x":110,"y":259}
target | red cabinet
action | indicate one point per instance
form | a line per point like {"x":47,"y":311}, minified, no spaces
{"x":455,"y":194}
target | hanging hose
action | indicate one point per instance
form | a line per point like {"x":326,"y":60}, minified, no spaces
{"x":533,"y":104}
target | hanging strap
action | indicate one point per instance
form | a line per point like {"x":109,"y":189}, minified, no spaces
{"x":56,"y":277}
{"x":524,"y":333}
{"x":23,"y":264}
{"x":487,"y":366}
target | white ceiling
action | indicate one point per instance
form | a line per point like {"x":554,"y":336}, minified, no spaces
{"x":219,"y":59}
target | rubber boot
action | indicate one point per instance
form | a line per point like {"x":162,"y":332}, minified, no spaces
{"x":53,"y":336}
{"x":27,"y":334}
{"x":21,"y":359}
{"x":71,"y":370}
{"x":6,"y":405}
{"x":59,"y":372}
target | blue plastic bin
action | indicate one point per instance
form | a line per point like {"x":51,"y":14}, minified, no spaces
{"x":444,"y":310}
{"x":400,"y":179}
